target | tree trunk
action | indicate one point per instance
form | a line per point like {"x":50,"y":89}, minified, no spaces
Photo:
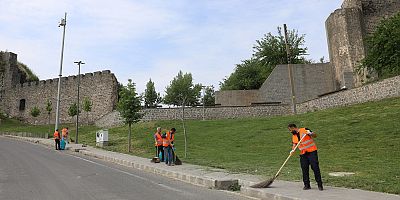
{"x":129,"y":138}
{"x":87,"y":117}
{"x":47,"y":135}
{"x":184,"y":128}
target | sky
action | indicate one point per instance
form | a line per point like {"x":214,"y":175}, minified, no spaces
{"x":154,"y":39}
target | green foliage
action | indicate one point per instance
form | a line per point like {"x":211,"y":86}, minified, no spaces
{"x":30,"y":76}
{"x":73,"y":110}
{"x":383,"y":49}
{"x":49,"y":107}
{"x":129,"y":104}
{"x":248,"y":75}
{"x":151,"y":97}
{"x":209,"y":96}
{"x":181,"y":91}
{"x":87,"y":104}
{"x":35,"y":111}
{"x":269,"y":51}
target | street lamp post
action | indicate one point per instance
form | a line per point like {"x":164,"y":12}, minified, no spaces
{"x":63,"y":23}
{"x":79,"y":63}
{"x":204,"y":108}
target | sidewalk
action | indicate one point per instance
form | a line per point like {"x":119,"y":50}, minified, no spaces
{"x":221,"y":179}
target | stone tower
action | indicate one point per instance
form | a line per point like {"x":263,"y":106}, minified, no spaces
{"x":347,"y":29}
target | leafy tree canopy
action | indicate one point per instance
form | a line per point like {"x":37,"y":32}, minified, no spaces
{"x":182,"y":91}
{"x":151,"y":97}
{"x":35,"y":111}
{"x":383,"y":49}
{"x":129,"y":104}
{"x":269,"y":51}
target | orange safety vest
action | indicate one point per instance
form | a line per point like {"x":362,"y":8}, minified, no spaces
{"x":56,"y":135}
{"x":64,"y":132}
{"x":307,"y":145}
{"x":158,"y":140}
{"x":169,"y":139}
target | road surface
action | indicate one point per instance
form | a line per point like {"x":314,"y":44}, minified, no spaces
{"x":30,"y":171}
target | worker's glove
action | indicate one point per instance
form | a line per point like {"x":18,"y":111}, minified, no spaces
{"x":309,"y":132}
{"x":292,"y":152}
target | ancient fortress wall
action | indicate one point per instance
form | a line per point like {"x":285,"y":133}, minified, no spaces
{"x":99,"y":87}
{"x":347,"y":29}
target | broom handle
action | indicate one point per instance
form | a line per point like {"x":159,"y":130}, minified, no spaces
{"x":284,"y":163}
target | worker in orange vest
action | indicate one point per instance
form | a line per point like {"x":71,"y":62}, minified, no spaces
{"x":308,"y":154}
{"x":65,"y":133}
{"x":57,"y":139}
{"x":168,"y":144}
{"x":158,"y":143}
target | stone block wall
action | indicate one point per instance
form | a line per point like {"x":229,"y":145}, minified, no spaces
{"x":310,"y":81}
{"x":347,"y":29}
{"x":113,"y":119}
{"x":236,"y":97}
{"x":99,"y":87}
{"x":387,"y":88}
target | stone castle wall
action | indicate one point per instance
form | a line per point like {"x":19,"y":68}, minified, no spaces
{"x":387,"y":88}
{"x":99,"y":87}
{"x":347,"y":29}
{"x":311,"y":80}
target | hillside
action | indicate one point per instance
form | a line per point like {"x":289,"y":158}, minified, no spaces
{"x":363,"y":139}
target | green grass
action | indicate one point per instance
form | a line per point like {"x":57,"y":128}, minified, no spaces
{"x":363,"y":139}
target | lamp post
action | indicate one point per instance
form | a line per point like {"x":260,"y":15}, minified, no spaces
{"x":204,"y":108}
{"x":62,"y":23}
{"x":79,"y":63}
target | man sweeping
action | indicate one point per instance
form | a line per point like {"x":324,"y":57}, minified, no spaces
{"x":308,"y":154}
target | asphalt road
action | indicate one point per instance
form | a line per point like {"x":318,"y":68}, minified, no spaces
{"x":29,"y":171}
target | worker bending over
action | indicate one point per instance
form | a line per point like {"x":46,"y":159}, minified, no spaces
{"x":308,"y":154}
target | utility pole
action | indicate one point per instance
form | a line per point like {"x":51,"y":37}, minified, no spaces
{"x":63,"y":23}
{"x":79,"y":63}
{"x":291,"y":79}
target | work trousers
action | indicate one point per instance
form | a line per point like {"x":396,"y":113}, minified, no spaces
{"x":168,"y":155}
{"x":307,"y":159}
{"x":160,"y":149}
{"x":57,"y":144}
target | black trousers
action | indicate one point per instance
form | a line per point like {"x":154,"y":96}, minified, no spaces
{"x":160,"y":149}
{"x":57,"y":143}
{"x":307,"y":159}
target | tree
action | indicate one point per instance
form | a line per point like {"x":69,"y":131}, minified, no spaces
{"x":383,"y":49}
{"x":248,"y":75}
{"x":129,"y":107}
{"x":151,"y":97}
{"x":209,"y":96}
{"x":182,"y":92}
{"x":87,"y":107}
{"x":49,"y":108}
{"x":73,"y":110}
{"x":269,"y":51}
{"x":35,"y":111}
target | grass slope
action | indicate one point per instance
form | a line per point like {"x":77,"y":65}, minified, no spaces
{"x":363,"y":139}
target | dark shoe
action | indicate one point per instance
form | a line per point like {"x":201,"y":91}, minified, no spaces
{"x":320,"y":187}
{"x":306,"y":187}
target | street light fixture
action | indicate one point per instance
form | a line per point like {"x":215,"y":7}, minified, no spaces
{"x":79,"y":63}
{"x":62,"y":23}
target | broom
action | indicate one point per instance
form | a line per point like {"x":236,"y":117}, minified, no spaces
{"x":268,"y":182}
